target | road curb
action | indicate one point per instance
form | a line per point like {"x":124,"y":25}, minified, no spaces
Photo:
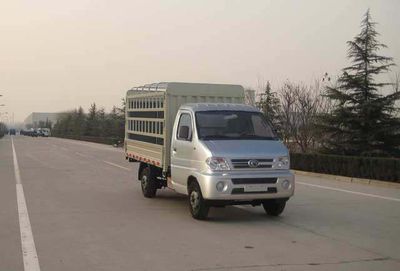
{"x":348,"y":179}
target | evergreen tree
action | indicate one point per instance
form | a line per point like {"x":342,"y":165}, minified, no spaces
{"x":92,"y":123}
{"x":104,"y":131}
{"x":269,"y":104}
{"x":97,"y":123}
{"x":79,"y":122}
{"x":120,"y":123}
{"x":67,"y":124}
{"x":363,"y":120}
{"x":117,"y":122}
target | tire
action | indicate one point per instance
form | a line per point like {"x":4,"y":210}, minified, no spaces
{"x":274,"y":207}
{"x":148,"y":183}
{"x":197,"y":204}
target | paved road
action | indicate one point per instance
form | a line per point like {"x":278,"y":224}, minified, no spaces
{"x":86,"y":212}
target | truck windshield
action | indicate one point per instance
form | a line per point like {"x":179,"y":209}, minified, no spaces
{"x":224,"y":125}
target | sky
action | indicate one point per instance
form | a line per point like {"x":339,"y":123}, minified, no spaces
{"x":58,"y":55}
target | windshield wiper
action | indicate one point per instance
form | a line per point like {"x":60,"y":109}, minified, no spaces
{"x":244,"y":136}
{"x":215,"y":137}
{"x":252,"y":136}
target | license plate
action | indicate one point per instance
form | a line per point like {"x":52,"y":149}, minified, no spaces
{"x":255,"y":188}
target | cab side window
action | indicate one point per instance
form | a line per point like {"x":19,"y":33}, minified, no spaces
{"x":184,"y":127}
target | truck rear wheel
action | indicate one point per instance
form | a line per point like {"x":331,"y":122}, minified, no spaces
{"x":197,"y":204}
{"x":148,"y":183}
{"x":274,"y":207}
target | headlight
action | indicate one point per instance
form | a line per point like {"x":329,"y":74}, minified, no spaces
{"x":217,"y":163}
{"x":282,"y":162}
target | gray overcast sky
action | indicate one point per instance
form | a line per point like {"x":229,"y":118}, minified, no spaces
{"x":57,"y":55}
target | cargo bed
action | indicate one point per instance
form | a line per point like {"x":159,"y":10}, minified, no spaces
{"x":151,"y":112}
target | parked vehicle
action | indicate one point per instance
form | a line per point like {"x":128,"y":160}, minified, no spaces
{"x":31,"y":132}
{"x":38,"y":132}
{"x":13,"y":132}
{"x":202,"y":141}
{"x":24,"y":132}
{"x":44,"y":132}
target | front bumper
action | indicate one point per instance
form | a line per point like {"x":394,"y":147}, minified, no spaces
{"x":240,"y":192}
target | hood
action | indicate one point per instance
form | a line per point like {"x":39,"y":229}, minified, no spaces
{"x":246,"y":148}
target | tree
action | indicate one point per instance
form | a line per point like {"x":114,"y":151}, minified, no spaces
{"x":97,"y":123}
{"x":300,"y":106}
{"x":363,"y":120}
{"x":3,"y":129}
{"x":396,"y":82}
{"x":104,"y":131}
{"x":269,"y":104}
{"x":79,"y":122}
{"x":63,"y":125}
{"x":117,"y":122}
{"x":92,"y":123}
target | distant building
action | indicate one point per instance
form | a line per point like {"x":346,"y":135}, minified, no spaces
{"x":37,"y":120}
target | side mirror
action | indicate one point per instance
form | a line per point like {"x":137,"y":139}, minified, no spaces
{"x":183,"y":132}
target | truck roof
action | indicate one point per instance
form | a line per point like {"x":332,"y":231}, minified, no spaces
{"x":198,"y":89}
{"x":195,"y":107}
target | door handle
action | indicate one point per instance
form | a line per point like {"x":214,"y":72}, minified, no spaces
{"x":174,"y":149}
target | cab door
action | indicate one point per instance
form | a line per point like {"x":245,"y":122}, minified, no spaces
{"x":181,"y":151}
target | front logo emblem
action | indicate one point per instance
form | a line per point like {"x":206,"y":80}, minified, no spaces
{"x":253,"y":163}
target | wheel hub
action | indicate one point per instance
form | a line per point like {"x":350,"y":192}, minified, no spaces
{"x":144,"y":181}
{"x":194,"y":199}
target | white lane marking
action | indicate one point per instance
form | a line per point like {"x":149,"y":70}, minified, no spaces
{"x":16,"y":167}
{"x":29,"y":254}
{"x":349,"y":191}
{"x":115,"y":165}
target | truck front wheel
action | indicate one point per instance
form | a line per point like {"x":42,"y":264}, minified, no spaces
{"x":198,"y":206}
{"x":148,"y":183}
{"x":274,"y":207}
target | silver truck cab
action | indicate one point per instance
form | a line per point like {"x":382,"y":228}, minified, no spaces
{"x":223,"y":154}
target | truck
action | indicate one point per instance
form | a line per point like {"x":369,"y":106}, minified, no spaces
{"x":202,"y":141}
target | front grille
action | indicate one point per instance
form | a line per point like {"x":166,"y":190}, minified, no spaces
{"x":244,"y":163}
{"x":253,"y":180}
{"x":271,"y":190}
